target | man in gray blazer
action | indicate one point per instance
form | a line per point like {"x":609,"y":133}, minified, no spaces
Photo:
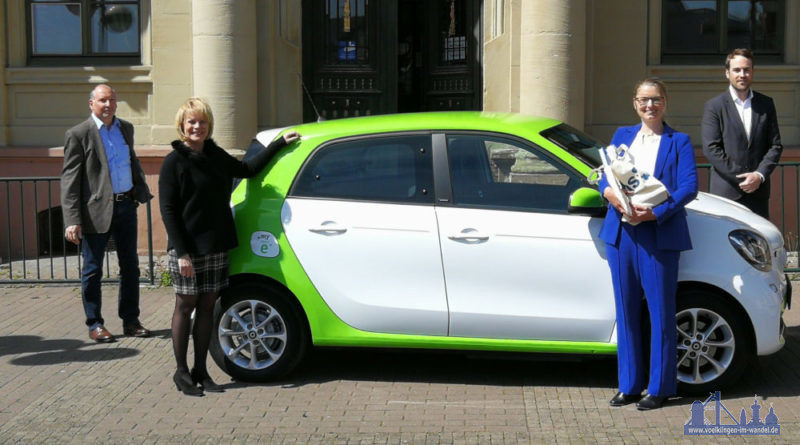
{"x":741,"y":137}
{"x":101,"y":186}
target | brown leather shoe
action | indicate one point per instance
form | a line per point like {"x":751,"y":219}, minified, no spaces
{"x":136,"y":330}
{"x":101,"y":335}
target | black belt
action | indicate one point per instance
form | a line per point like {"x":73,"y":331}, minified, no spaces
{"x":123,"y":196}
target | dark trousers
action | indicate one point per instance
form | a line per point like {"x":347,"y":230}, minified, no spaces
{"x":755,"y":202}
{"x":124,"y":228}
{"x":639,"y":269}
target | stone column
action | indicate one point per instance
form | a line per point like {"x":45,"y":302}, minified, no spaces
{"x":280,"y":55}
{"x":553,"y":59}
{"x":224,"y":67}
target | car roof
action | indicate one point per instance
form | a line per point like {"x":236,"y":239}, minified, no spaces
{"x":519,"y":124}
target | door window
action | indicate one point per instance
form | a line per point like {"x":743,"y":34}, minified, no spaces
{"x":501,"y":173}
{"x":346,"y":31}
{"x":392,"y":169}
{"x":453,"y":32}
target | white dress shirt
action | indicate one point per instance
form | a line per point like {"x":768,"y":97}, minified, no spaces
{"x":744,"y":108}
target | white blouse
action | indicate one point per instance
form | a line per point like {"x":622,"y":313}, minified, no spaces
{"x":644,"y":151}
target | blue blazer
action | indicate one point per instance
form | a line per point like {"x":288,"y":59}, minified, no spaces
{"x":676,"y":169}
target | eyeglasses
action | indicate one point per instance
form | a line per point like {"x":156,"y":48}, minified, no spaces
{"x":657,"y":100}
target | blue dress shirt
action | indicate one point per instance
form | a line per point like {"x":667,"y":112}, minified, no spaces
{"x":118,"y":154}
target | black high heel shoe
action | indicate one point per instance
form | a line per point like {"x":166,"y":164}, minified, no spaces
{"x":184,"y":384}
{"x":205,"y":381}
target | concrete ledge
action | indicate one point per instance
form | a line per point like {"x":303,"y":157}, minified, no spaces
{"x":142,"y":151}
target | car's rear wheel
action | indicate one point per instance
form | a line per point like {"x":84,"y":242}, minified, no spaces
{"x":260,"y":334}
{"x":714,"y":343}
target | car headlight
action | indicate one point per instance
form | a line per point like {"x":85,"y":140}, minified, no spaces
{"x":752,"y":247}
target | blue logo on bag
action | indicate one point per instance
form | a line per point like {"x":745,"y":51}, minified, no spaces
{"x":698,"y":425}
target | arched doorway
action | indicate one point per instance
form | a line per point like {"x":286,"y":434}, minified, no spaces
{"x":364,"y":57}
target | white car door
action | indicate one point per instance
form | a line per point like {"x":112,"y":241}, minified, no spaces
{"x":516,"y":264}
{"x":361,"y":221}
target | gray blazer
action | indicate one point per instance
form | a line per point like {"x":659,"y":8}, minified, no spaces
{"x":87,"y":198}
{"x":727,"y":147}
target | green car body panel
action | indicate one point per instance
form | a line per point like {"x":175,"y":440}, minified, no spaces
{"x":273,"y":184}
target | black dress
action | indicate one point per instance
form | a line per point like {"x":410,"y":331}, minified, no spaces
{"x":194,"y":193}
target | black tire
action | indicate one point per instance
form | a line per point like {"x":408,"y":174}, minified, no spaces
{"x":710,"y":330}
{"x":267,"y":350}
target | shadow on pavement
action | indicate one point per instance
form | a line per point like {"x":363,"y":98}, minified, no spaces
{"x":23,"y":344}
{"x":48,"y":352}
{"x":773,"y":376}
{"x":165,"y":334}
{"x":330,"y":364}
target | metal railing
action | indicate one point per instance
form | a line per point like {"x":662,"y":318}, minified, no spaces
{"x":51,"y":259}
{"x":787,"y":178}
{"x":32,"y":209}
{"x":791,"y":239}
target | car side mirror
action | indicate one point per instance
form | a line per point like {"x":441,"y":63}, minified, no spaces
{"x":587,"y":201}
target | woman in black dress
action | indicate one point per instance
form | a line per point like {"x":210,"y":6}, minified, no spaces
{"x":195,"y":186}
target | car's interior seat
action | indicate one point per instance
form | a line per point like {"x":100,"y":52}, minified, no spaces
{"x":468,"y":167}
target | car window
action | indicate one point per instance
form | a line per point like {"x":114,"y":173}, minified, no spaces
{"x":394,"y":169}
{"x":494,"y":172}
{"x":581,"y":145}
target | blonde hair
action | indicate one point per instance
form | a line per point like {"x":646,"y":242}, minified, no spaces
{"x":197,"y":107}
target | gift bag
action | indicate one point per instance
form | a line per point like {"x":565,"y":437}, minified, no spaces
{"x":641,"y":187}
{"x":607,"y":155}
{"x":627,"y":182}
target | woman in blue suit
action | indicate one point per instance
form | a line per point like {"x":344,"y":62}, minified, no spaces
{"x":643,"y":251}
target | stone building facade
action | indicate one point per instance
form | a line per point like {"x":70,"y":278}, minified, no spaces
{"x":575,"y":60}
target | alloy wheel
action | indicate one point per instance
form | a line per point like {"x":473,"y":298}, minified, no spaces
{"x":706,"y":345}
{"x":252,"y":334}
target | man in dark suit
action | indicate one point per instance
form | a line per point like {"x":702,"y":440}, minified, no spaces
{"x":101,"y":186}
{"x":741,"y":137}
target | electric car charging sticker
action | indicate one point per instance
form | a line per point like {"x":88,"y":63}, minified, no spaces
{"x":264,"y":244}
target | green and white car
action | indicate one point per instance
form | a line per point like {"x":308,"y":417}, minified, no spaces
{"x":469,"y":231}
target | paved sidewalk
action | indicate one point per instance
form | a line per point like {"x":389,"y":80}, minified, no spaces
{"x":58,"y":387}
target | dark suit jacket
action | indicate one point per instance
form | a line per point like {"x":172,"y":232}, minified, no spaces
{"x":676,"y":169}
{"x":87,"y":198}
{"x":726,"y":146}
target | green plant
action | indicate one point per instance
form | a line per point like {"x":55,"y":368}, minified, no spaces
{"x":166,"y":279}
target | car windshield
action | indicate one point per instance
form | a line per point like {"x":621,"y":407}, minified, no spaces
{"x":581,"y":145}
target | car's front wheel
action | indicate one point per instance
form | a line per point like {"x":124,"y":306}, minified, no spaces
{"x":259,"y":334}
{"x":714,"y":345}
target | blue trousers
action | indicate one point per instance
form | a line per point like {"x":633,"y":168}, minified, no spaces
{"x":639,"y":269}
{"x":124,"y":228}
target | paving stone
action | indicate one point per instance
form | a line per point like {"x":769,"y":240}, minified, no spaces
{"x":56,"y":386}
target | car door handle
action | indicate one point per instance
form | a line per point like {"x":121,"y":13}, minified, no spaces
{"x":329,"y":227}
{"x":469,"y":235}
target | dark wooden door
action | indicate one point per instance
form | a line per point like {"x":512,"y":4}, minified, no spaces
{"x":363,"y":57}
{"x":349,"y":57}
{"x":452,"y":78}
